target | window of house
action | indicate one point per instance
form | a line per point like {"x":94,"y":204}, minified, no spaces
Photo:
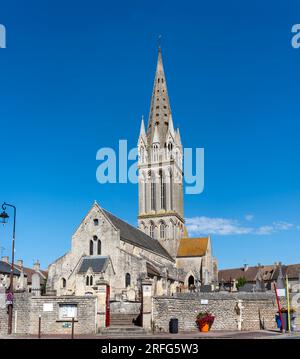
{"x":91,"y":247}
{"x":67,"y":311}
{"x":127,"y":280}
{"x":96,"y":222}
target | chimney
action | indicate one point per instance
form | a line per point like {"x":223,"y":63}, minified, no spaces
{"x":36,"y":266}
{"x":246,"y":267}
{"x":5,"y":259}
{"x":20,"y":263}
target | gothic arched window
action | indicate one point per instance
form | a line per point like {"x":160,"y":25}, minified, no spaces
{"x":153,"y":194}
{"x":162,"y":191}
{"x":171,"y":191}
{"x":127,"y":280}
{"x":91,"y":247}
{"x":99,"y":247}
{"x":155,"y":153}
{"x":89,"y":280}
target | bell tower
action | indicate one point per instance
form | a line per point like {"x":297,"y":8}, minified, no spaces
{"x":160,"y":169}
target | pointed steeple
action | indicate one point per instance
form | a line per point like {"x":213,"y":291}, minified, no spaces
{"x":160,"y":109}
{"x":177,"y":137}
{"x":142,"y":130}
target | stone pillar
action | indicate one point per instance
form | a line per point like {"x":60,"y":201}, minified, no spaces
{"x":36,"y":285}
{"x":101,"y":293}
{"x":147,"y":303}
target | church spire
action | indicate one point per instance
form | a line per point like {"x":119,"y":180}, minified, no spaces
{"x":142,"y":129}
{"x":160,"y":105}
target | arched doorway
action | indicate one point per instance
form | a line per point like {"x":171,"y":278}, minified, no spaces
{"x":191,"y":281}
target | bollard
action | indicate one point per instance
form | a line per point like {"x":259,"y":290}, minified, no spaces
{"x":40,"y":322}
{"x":72,"y":334}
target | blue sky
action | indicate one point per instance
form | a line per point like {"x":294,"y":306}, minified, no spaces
{"x":77,"y":76}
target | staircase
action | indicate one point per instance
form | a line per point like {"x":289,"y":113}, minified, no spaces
{"x":123,"y":325}
{"x":123,"y":319}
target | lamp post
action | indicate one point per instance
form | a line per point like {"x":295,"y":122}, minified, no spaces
{"x":4,"y":216}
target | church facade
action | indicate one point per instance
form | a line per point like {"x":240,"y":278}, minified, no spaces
{"x":106,"y":247}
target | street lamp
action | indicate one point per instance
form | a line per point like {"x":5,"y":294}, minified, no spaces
{"x":10,"y":295}
{"x":4,"y":217}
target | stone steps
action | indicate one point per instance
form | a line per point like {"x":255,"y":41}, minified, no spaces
{"x":123,"y":331}
{"x":120,"y":319}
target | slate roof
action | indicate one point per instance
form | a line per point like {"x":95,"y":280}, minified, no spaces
{"x":97,"y":263}
{"x":5,"y":268}
{"x":192,"y":247}
{"x":136,"y":237}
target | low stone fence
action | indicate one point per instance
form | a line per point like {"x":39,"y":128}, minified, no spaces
{"x":258,"y":310}
{"x":56,"y":314}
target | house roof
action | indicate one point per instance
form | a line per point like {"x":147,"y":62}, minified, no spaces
{"x":270,"y":272}
{"x":29,"y":272}
{"x":293,"y":271}
{"x":192,"y":247}
{"x":235,"y":273}
{"x":97,"y":263}
{"x":5,"y":268}
{"x":136,"y":237}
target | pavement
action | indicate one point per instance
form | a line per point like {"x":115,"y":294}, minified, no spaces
{"x":218,"y":334}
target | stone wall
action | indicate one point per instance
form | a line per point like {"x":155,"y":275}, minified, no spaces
{"x":27,"y":310}
{"x":259,"y":308}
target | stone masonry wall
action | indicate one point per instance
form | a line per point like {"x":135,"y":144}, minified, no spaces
{"x":27,"y":310}
{"x":259,"y":308}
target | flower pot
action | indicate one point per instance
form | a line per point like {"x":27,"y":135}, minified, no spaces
{"x":204,"y":327}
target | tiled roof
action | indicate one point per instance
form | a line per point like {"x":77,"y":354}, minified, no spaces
{"x":5,"y":268}
{"x":270,"y":272}
{"x":236,"y":273}
{"x":29,"y":272}
{"x":136,"y":237}
{"x":192,"y":247}
{"x":293,"y":271}
{"x":97,"y":263}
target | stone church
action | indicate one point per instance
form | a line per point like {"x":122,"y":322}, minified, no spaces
{"x":106,"y":247}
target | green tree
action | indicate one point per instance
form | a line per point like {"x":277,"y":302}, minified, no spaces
{"x":240,"y":282}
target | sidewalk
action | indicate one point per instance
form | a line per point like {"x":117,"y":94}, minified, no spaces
{"x":220,"y":334}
